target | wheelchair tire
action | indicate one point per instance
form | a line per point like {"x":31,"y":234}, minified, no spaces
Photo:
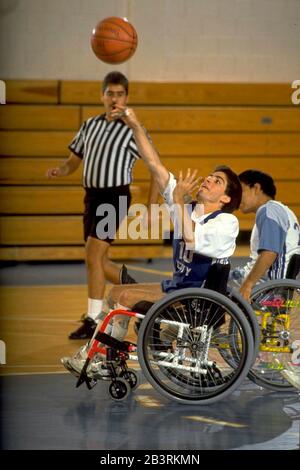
{"x":246,"y":308}
{"x":131,"y":377}
{"x":232,"y":355}
{"x":119,"y":389}
{"x":195,"y":372}
{"x":266,"y":298}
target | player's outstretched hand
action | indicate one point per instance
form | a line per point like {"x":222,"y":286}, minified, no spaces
{"x":186,"y":185}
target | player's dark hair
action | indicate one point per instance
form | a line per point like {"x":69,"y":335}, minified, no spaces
{"x":233,"y":189}
{"x":115,"y":78}
{"x":251,"y":177}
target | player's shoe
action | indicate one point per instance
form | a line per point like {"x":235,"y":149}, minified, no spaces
{"x":86,"y":330}
{"x":125,"y":278}
{"x":96,"y":368}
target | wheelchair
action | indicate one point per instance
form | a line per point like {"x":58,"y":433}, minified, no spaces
{"x":197,"y":345}
{"x":276,"y":305}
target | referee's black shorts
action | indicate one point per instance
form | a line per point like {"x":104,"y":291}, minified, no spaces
{"x":96,"y":197}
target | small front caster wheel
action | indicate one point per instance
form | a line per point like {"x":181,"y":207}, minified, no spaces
{"x":131,"y":377}
{"x":119,"y":389}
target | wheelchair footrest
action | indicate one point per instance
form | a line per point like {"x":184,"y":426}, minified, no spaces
{"x":83,"y":378}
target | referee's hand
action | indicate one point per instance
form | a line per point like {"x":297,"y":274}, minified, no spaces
{"x":127,"y":114}
{"x":53,"y":172}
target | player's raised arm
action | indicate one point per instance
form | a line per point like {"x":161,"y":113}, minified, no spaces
{"x":145,"y":147}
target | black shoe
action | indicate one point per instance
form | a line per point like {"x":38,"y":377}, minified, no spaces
{"x":125,"y":278}
{"x":85,"y":331}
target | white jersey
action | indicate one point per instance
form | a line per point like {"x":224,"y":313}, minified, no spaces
{"x":276,"y":229}
{"x":215,"y":236}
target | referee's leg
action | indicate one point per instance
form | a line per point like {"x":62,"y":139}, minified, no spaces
{"x":99,"y":267}
{"x":95,"y":253}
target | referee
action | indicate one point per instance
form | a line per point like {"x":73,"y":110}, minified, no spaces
{"x":108,"y":150}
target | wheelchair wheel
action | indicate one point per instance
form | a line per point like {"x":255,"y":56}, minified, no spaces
{"x":277,"y":308}
{"x":118,"y":389}
{"x":186,"y":364}
{"x":131,"y":377}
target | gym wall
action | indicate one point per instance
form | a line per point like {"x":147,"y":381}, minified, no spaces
{"x":179,"y":40}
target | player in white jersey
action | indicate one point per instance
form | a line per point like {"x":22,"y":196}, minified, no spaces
{"x":205,"y":234}
{"x":275,"y":236}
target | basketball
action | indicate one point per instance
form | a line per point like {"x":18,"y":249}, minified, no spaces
{"x":114,"y":40}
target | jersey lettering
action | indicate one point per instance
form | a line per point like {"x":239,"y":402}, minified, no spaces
{"x":185,"y":255}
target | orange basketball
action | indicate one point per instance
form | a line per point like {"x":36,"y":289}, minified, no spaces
{"x":114,"y":40}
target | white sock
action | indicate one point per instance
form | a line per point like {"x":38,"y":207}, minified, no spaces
{"x":94,"y":308}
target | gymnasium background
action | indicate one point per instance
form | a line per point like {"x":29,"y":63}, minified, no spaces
{"x":211,"y":80}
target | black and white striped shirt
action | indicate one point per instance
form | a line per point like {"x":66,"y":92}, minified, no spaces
{"x":108,"y":151}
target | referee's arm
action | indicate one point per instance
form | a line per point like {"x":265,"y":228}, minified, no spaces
{"x":66,"y":168}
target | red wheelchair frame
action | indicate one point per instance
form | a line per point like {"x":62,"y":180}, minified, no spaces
{"x":116,"y":352}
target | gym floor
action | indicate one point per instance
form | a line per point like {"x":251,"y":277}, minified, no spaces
{"x":42,"y":409}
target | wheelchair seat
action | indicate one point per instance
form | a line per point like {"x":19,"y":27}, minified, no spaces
{"x":293,"y":268}
{"x":217,"y":278}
